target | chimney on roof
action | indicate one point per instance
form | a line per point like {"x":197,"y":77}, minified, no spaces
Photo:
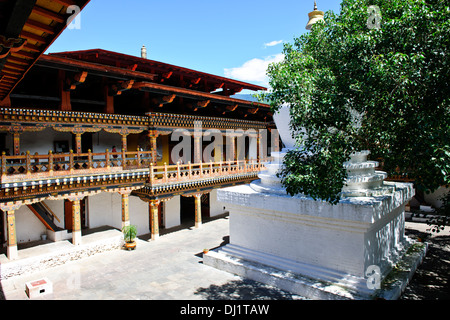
{"x":144,"y":52}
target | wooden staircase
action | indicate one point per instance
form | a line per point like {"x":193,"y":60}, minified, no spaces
{"x":45,"y":215}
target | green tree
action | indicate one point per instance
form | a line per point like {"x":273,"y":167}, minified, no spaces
{"x":352,"y":85}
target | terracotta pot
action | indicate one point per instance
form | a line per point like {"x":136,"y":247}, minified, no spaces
{"x":130,"y":245}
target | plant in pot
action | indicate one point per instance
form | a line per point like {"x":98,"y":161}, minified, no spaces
{"x":129,"y":235}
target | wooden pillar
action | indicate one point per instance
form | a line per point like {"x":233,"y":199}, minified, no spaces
{"x":78,"y":143}
{"x":197,"y":149}
{"x":153,"y":135}
{"x":16,"y":142}
{"x":12,"y":251}
{"x":124,"y":143}
{"x":232,"y":148}
{"x":64,"y":94}
{"x":125,"y":209}
{"x":198,"y":210}
{"x":154,"y":219}
{"x":76,"y":223}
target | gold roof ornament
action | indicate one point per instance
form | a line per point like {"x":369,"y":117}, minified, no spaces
{"x":314,"y":16}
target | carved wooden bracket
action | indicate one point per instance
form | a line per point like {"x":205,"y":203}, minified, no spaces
{"x":117,"y":89}
{"x":79,"y":78}
{"x":8,"y":45}
{"x":164,"y":100}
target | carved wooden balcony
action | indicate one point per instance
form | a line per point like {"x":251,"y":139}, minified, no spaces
{"x":34,"y":175}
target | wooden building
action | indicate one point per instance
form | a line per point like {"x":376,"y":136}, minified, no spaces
{"x":92,"y":138}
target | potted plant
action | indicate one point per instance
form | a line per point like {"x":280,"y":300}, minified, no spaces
{"x":129,"y":235}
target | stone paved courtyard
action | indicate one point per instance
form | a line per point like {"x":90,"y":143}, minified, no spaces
{"x":171,"y":268}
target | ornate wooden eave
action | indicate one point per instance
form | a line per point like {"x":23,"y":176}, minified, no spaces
{"x":33,"y":25}
{"x":21,"y":120}
{"x":178,"y":76}
{"x":204,"y":97}
{"x":67,"y":64}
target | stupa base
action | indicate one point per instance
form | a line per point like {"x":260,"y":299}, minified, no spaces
{"x":318,"y":250}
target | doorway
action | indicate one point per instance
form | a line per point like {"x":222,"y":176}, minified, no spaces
{"x":86,"y":142}
{"x":187,"y":208}
{"x":68,"y":223}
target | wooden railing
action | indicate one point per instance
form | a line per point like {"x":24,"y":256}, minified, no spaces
{"x":69,"y":162}
{"x":160,"y":175}
{"x":27,"y":166}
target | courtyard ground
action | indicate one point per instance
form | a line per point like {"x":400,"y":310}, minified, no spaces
{"x":171,"y":268}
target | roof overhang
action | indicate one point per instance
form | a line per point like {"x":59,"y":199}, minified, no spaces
{"x":28,"y":28}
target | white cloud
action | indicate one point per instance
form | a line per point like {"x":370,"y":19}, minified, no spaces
{"x":254,"y":70}
{"x":272,"y":43}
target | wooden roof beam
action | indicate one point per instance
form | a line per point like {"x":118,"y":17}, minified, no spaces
{"x":48,"y":14}
{"x":39,"y":26}
{"x":65,"y":3}
{"x":33,"y":37}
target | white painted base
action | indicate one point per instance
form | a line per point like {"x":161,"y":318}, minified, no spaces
{"x":76,"y":238}
{"x":290,"y":276}
{"x":12,"y":252}
{"x":336,"y":245}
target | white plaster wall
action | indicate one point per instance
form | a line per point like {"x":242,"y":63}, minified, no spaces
{"x":105,"y":209}
{"x":57,"y":207}
{"x":40,"y":142}
{"x":103,"y":140}
{"x":433,"y":198}
{"x":298,"y":237}
{"x":172,"y":212}
{"x":28,"y":226}
{"x":215,"y":208}
{"x":139,"y":215}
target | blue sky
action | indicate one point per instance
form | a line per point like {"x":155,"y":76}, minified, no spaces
{"x":235,"y":39}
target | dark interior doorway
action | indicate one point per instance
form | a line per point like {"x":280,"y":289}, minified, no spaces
{"x":187,"y":208}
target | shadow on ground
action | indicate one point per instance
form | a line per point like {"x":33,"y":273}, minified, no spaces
{"x":431,"y":281}
{"x":244,"y":290}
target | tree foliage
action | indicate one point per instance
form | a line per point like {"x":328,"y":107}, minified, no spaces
{"x":352,"y":87}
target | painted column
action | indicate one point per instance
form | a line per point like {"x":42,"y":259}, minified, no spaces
{"x":9,"y":209}
{"x":76,"y":223}
{"x":78,"y":142}
{"x":153,"y":135}
{"x":125,"y":209}
{"x":198,"y":210}
{"x":16,"y":141}
{"x":12,"y":251}
{"x":124,"y":143}
{"x":198,"y":135}
{"x":154,"y":219}
{"x":197,"y":149}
